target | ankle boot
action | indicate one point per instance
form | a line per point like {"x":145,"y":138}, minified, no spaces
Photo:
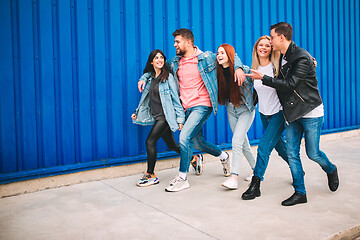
{"x":333,"y":180}
{"x":253,"y":190}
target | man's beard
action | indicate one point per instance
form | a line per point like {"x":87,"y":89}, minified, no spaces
{"x":180,"y":53}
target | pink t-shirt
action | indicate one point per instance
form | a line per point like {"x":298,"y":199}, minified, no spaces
{"x":192,"y":88}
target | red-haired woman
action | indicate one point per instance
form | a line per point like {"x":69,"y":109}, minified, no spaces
{"x":240,"y":109}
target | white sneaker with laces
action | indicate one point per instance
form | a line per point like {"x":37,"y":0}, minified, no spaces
{"x":230,"y":183}
{"x":177,"y":184}
{"x":226,"y":165}
{"x":248,"y":178}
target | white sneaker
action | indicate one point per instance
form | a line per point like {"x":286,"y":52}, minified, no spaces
{"x":177,"y":184}
{"x":226,"y":165}
{"x":230,"y":183}
{"x":248,"y":178}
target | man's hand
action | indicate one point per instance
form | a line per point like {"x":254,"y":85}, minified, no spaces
{"x":180,"y":126}
{"x":141,"y":85}
{"x":255,"y":74}
{"x":133,"y":116}
{"x":239,"y":76}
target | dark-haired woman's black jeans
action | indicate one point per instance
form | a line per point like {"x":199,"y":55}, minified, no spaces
{"x":162,"y":130}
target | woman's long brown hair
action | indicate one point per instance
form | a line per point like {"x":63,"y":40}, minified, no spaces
{"x":233,"y":93}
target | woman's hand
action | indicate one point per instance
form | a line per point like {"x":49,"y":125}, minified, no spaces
{"x":133,"y":116}
{"x":141,"y":85}
{"x":255,"y":74}
{"x":315,"y":62}
{"x":180,"y":126}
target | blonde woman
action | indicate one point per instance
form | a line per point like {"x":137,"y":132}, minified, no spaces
{"x":267,"y":62}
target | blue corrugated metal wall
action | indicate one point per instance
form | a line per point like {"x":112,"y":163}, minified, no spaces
{"x":69,"y":71}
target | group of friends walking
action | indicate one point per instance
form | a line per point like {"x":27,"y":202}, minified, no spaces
{"x":180,"y":94}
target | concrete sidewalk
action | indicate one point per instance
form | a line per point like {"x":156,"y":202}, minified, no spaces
{"x":117,"y":209}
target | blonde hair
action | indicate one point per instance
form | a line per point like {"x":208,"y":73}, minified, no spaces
{"x":274,"y":56}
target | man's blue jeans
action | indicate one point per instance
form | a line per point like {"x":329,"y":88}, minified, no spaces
{"x":192,"y":135}
{"x":274,"y":126}
{"x":310,"y":128}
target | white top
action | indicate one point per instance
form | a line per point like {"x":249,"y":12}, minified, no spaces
{"x":269,"y":103}
{"x":316,"y":112}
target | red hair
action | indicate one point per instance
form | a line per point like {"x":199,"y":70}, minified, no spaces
{"x":232,"y":91}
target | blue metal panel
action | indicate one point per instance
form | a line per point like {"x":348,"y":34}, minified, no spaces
{"x":69,"y":71}
{"x":45,"y":88}
{"x":355,"y":34}
{"x":320,"y":52}
{"x":115,"y":113}
{"x":346,"y":73}
{"x":356,"y":30}
{"x":25,"y":84}
{"x":100,"y":87}
{"x":8,"y":144}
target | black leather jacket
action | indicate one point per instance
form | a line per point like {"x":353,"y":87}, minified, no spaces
{"x":296,"y":84}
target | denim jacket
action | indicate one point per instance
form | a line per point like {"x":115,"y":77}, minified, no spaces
{"x":247,"y":91}
{"x":170,"y":101}
{"x":207,"y":69}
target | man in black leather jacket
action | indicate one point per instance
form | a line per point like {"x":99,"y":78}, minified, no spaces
{"x":303,"y":109}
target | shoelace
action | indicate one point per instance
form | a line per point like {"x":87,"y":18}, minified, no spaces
{"x":176,"y":179}
{"x":146,"y":176}
{"x":224,"y":160}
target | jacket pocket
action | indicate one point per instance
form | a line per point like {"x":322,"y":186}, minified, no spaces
{"x":144,"y":114}
{"x":165,"y":92}
{"x":210,"y":67}
{"x":292,"y":101}
{"x":297,"y":94}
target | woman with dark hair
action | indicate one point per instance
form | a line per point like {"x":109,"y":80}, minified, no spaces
{"x":159,"y":106}
{"x":240,"y":109}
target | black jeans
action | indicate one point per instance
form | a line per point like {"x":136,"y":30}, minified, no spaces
{"x":160,"y":129}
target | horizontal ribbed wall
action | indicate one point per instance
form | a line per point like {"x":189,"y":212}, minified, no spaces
{"x":69,"y":71}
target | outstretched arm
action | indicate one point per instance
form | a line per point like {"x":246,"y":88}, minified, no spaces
{"x":288,"y":84}
{"x":142,"y":81}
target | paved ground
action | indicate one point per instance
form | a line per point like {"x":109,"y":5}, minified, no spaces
{"x":117,"y":209}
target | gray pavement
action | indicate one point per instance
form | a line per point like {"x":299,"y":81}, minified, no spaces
{"x":118,"y":209}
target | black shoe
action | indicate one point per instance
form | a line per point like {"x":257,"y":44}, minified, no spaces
{"x":253,"y":190}
{"x":333,"y":180}
{"x":296,"y":198}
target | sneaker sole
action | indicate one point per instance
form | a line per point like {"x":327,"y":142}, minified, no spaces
{"x":226,"y":173}
{"x":177,"y":190}
{"x":231,"y":188}
{"x":251,"y":197}
{"x":147,"y":185}
{"x":199,"y":168}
